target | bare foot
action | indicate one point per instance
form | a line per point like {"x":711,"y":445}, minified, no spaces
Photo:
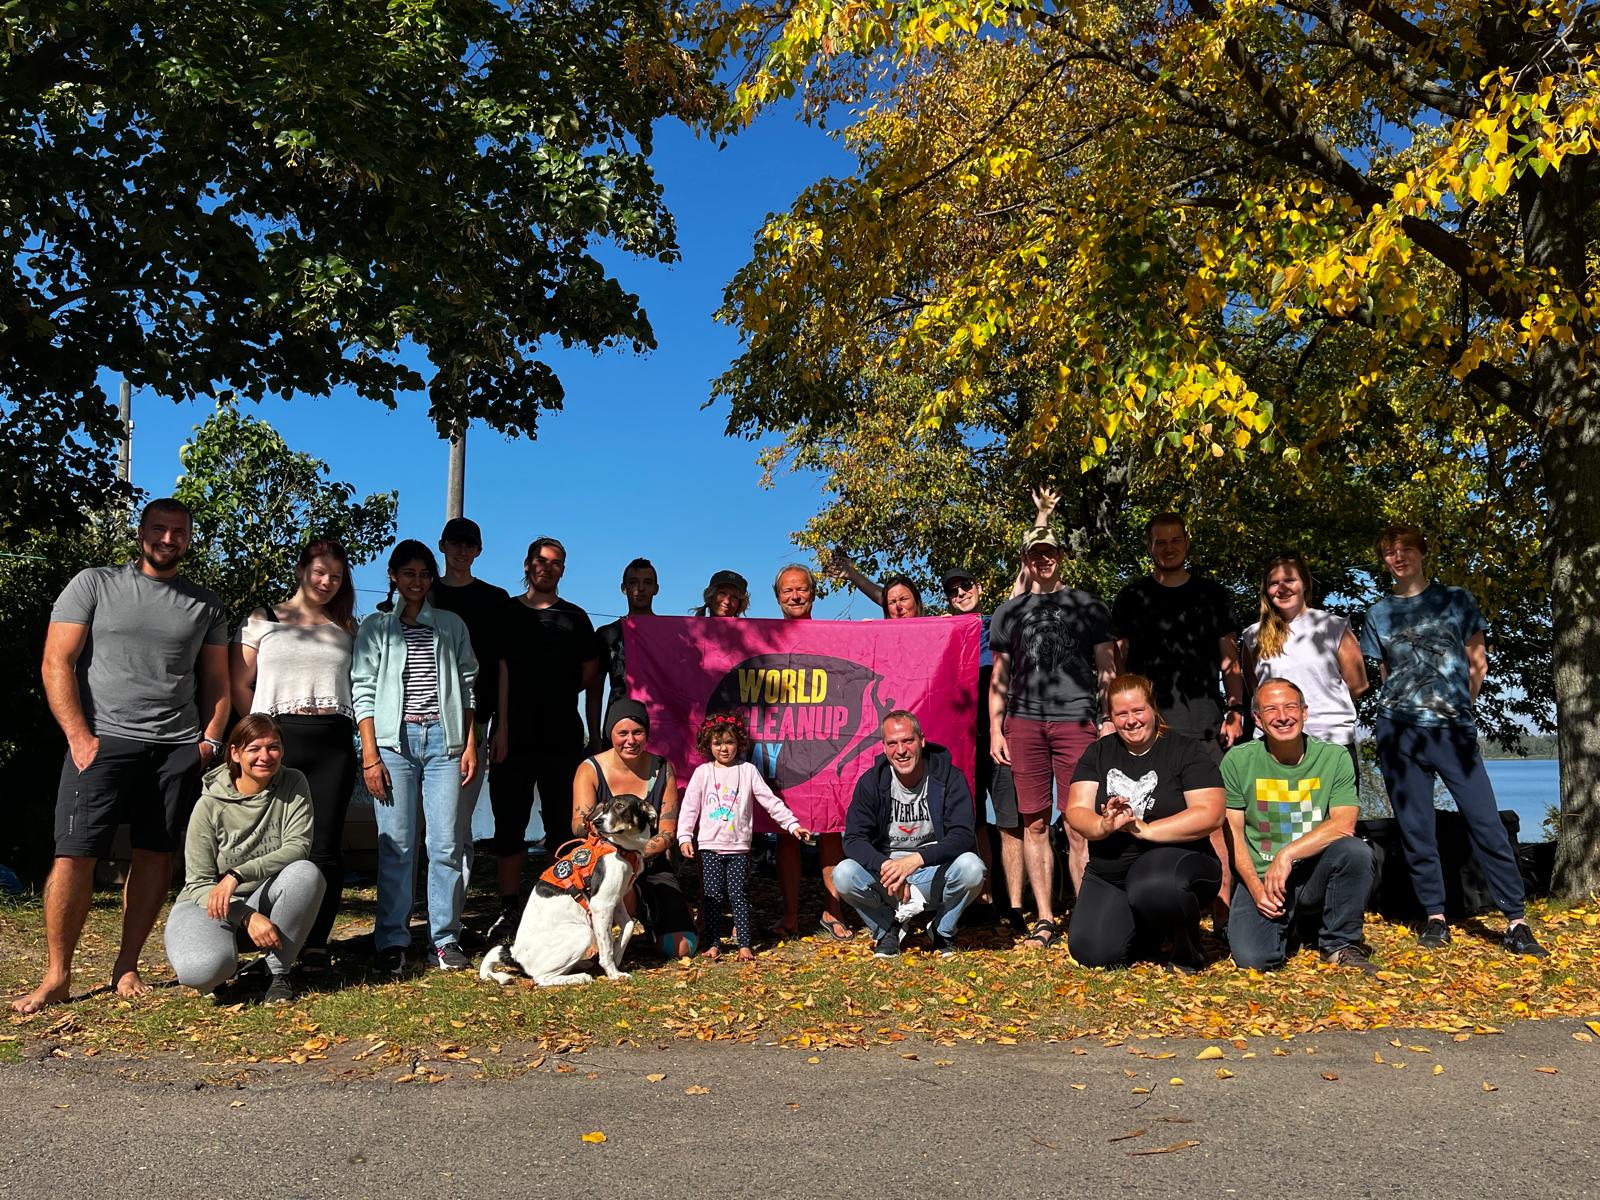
{"x":51,"y":991}
{"x":746,"y":954}
{"x":128,"y":985}
{"x":711,"y":953}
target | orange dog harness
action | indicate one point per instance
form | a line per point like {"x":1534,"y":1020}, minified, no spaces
{"x":576,"y":865}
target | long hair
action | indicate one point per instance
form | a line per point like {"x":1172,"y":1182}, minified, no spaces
{"x":1274,"y":631}
{"x":343,"y":603}
{"x":905,"y":582}
{"x":1129,"y":682}
{"x":721,"y":583}
{"x":256,"y":725}
{"x":408,"y":551}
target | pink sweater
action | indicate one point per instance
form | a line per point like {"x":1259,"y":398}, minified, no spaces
{"x":718,"y":808}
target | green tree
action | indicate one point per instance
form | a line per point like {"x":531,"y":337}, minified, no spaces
{"x":277,"y":198}
{"x":1276,"y":233}
{"x":256,"y":502}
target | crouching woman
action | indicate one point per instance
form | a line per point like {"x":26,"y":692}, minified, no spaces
{"x":247,"y":866}
{"x":1147,"y":800}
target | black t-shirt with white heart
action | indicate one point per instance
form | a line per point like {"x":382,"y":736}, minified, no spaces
{"x":1153,"y":783}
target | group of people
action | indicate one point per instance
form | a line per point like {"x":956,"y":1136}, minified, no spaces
{"x":1128,"y":718}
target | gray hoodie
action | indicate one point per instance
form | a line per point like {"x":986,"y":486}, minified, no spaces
{"x":253,"y":836}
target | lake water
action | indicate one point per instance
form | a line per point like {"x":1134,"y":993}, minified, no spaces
{"x":1527,"y":787}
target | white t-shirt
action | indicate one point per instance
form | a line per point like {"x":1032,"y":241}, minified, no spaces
{"x":300,"y":668}
{"x":1310,"y":659}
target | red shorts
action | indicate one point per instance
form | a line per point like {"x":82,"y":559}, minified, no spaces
{"x":1042,"y":751}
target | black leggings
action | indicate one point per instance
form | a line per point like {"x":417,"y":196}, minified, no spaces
{"x":323,"y":749}
{"x":1161,"y":899}
{"x":725,"y":882}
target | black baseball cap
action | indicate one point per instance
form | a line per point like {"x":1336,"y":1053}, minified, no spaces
{"x":729,"y":579}
{"x":958,"y":573}
{"x":462,"y":530}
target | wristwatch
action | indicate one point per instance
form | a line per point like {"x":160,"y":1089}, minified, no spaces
{"x":216,"y":746}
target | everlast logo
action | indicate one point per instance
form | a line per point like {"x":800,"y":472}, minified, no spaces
{"x":805,"y":712}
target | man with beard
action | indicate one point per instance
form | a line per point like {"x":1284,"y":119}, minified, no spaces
{"x":131,"y":655}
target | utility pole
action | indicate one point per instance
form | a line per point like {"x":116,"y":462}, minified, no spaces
{"x":125,"y":419}
{"x":457,"y":485}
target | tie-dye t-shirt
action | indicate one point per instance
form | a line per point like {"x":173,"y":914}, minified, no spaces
{"x":1281,"y":803}
{"x":1422,"y":641}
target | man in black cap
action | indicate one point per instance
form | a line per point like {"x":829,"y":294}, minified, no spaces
{"x":639,"y":585}
{"x":482,"y":608}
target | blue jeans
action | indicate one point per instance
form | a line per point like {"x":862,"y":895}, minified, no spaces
{"x":1337,"y":882}
{"x":1410,"y":757}
{"x":424,"y":776}
{"x":949,"y":889}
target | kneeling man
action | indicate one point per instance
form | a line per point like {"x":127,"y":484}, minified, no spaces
{"x":908,"y":840}
{"x":1292,"y":815}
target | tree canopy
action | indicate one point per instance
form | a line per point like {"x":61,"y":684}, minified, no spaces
{"x":278,"y":198}
{"x":1349,"y":248}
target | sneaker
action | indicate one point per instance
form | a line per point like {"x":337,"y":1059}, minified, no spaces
{"x":391,"y":961}
{"x":1520,"y":940}
{"x":450,"y":957}
{"x":942,"y":946}
{"x":279,"y":991}
{"x":1435,"y":934}
{"x":888,"y":946}
{"x":1352,"y":955}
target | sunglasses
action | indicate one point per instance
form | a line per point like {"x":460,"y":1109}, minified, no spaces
{"x":957,"y":586}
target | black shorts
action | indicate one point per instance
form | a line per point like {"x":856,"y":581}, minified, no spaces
{"x":511,"y":788}
{"x":150,"y":785}
{"x":996,"y":781}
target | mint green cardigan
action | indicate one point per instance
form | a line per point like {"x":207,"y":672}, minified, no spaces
{"x":377,"y":675}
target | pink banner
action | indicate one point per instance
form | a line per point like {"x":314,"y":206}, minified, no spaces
{"x":812,"y":693}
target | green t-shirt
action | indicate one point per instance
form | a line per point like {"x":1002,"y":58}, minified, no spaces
{"x":1282,"y":804}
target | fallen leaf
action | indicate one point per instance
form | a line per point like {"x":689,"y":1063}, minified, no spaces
{"x":1438,"y":1068}
{"x":1078,"y":1087}
{"x":1489,"y":1087}
{"x":655,"y":1077}
{"x":236,"y":1104}
{"x":1594,"y":1027}
{"x":1175,"y":1082}
{"x":1209,"y":1053}
{"x":694,"y":1089}
{"x":536,"y":1063}
{"x":912,"y":1057}
{"x":63,"y":1107}
{"x":1186,"y":1144}
{"x":943,"y":1062}
{"x":1122,"y":1137}
{"x":1581,"y":1036}
{"x":813,"y":1060}
{"x":594,"y":1138}
{"x":1329,"y":1076}
{"x":1224,"y":1073}
{"x":792,"y":1106}
{"x":1141,"y":1091}
{"x":1547,"y":1070}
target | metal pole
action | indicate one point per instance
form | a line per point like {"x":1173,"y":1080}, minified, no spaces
{"x":125,"y":419}
{"x":457,"y":486}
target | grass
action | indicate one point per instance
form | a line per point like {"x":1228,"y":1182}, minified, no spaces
{"x":808,"y":993}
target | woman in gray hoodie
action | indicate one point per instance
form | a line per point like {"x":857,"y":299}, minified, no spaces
{"x":247,"y":866}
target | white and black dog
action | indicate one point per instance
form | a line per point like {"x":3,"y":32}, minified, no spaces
{"x":569,"y":915}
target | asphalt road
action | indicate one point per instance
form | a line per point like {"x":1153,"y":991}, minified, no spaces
{"x":995,"y":1121}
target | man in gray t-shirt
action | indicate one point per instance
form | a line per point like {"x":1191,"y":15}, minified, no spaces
{"x":136,"y":673}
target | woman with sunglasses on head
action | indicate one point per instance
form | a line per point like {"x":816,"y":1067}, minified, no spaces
{"x":292,"y":661}
{"x":412,"y":681}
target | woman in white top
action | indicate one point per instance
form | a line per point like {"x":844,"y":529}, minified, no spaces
{"x":292,"y":662}
{"x":1310,"y":647}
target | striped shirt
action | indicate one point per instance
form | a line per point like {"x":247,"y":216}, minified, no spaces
{"x":421,"y":674}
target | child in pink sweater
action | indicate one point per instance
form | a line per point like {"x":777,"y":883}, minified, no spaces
{"x":718,"y":812}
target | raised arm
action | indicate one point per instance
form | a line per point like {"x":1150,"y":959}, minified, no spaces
{"x":868,"y":587}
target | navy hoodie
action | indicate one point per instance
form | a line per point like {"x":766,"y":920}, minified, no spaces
{"x":866,"y":824}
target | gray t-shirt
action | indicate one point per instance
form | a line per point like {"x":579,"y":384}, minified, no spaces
{"x":136,"y":675}
{"x":1051,"y":638}
{"x":912,"y":825}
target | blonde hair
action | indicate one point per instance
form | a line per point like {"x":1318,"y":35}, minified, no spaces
{"x":1130,"y":682}
{"x":1274,"y":631}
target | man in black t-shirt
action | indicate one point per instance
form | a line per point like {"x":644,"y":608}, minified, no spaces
{"x":551,"y":655}
{"x":639,"y":585}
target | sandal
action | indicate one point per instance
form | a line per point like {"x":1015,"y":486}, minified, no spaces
{"x":1043,"y":934}
{"x":835,"y":928}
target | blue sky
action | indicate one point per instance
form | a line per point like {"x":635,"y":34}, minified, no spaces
{"x":633,"y":465}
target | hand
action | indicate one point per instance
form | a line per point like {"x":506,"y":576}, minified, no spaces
{"x":1265,"y":904}
{"x":208,"y":755}
{"x":1232,"y":729}
{"x":263,"y":932}
{"x":469,"y":763}
{"x":219,"y":897}
{"x":1106,"y":727}
{"x":499,"y":745}
{"x":1045,"y":499}
{"x":1117,"y":815}
{"x":1277,"y":878}
{"x":805,"y":835}
{"x":376,"y":778}
{"x":85,"y":748}
{"x":686,"y":849}
{"x":998,"y":750}
{"x":895,"y":872}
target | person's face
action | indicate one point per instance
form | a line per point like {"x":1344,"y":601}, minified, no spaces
{"x":628,"y":738}
{"x":903,"y":745}
{"x":1404,"y":560}
{"x":724,"y":749}
{"x":459,"y":556}
{"x":640,"y":587}
{"x":796,"y":593}
{"x":1169,"y":546}
{"x":1286,"y":591}
{"x":1044,"y":562}
{"x":259,"y":759}
{"x":726,"y":602}
{"x":545,"y":569}
{"x":963,"y":595}
{"x":899,"y":602}
{"x":1134,"y":718}
{"x":412,"y":580}
{"x":322,"y":578}
{"x":164,"y":538}
{"x":1280,"y":711}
